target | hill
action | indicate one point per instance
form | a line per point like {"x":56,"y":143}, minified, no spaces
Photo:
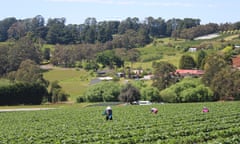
{"x":76,"y":81}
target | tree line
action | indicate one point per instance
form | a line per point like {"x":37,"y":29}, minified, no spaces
{"x":55,"y":31}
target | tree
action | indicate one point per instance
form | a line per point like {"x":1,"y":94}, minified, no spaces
{"x":187,"y":90}
{"x":56,"y":93}
{"x":187,"y":62}
{"x":3,"y":60}
{"x":213,"y":65}
{"x":129,"y":23}
{"x":17,"y":30}
{"x":103,"y":92}
{"x":129,"y":94}
{"x":104,"y":33}
{"x":37,"y":27}
{"x":226,"y":84}
{"x":63,"y":56}
{"x":55,"y":30}
{"x":109,"y":58}
{"x":4,"y":26}
{"x":151,"y":94}
{"x":164,"y":75}
{"x":30,"y":72}
{"x":201,"y":55}
{"x":156,"y":27}
{"x":46,"y":53}
{"x":22,"y":50}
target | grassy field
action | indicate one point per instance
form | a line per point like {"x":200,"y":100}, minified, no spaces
{"x":4,"y":82}
{"x":174,"y":124}
{"x":73,"y":82}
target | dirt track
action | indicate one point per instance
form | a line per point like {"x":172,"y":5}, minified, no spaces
{"x":25,"y":109}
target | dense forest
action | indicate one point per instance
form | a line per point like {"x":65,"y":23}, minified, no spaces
{"x":129,"y":33}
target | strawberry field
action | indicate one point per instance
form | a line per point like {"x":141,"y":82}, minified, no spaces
{"x":174,"y":123}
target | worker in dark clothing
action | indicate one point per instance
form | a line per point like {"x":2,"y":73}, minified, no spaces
{"x":108,"y":113}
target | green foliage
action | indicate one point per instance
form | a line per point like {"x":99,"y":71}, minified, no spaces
{"x":90,"y":65}
{"x":22,"y":50}
{"x":3,"y":60}
{"x":150,"y":93}
{"x":174,"y":123}
{"x":46,"y":53}
{"x":187,"y":62}
{"x":103,"y":92}
{"x":201,"y":55}
{"x":213,"y":64}
{"x":109,"y":58}
{"x":163,"y":75}
{"x":56,"y":93}
{"x":4,"y":82}
{"x":188,"y":90}
{"x":129,"y":93}
{"x":30,"y":72}
{"x":225,"y":84}
{"x":22,"y":93}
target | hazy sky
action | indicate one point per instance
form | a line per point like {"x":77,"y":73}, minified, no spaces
{"x":76,"y":11}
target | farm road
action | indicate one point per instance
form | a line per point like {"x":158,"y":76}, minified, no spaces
{"x":24,"y":109}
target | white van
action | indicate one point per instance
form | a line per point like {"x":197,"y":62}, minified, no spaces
{"x":144,"y":103}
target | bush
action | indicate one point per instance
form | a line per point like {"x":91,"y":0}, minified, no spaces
{"x":103,"y":92}
{"x":22,"y":93}
{"x":188,"y":90}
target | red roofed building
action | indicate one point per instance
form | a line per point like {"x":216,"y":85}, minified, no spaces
{"x":236,"y":62}
{"x":188,"y":72}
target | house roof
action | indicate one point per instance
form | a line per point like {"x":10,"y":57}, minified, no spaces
{"x":188,"y":71}
{"x":236,"y":61}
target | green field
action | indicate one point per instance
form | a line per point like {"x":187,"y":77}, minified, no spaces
{"x":175,"y":123}
{"x":4,"y":82}
{"x":73,"y":82}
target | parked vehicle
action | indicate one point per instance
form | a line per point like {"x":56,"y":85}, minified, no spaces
{"x":142,"y":103}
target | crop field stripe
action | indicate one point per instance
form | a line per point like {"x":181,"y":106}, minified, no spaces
{"x":175,"y":123}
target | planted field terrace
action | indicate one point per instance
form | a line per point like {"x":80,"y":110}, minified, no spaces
{"x":175,"y":123}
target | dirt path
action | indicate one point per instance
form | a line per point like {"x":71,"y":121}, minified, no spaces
{"x":25,"y":109}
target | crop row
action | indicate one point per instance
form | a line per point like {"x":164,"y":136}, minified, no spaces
{"x":175,"y":123}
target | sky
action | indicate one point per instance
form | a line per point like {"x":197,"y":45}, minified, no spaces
{"x":76,"y":11}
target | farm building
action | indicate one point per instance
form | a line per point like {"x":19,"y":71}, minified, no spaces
{"x":187,"y":72}
{"x":192,"y":49}
{"x":236,"y":62}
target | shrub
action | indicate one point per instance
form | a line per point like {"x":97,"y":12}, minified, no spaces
{"x":188,"y":90}
{"x":22,"y":93}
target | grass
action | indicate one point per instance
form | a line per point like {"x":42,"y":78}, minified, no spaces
{"x":57,"y":105}
{"x":73,"y":82}
{"x":4,"y":82}
{"x":229,"y":38}
{"x":164,"y":49}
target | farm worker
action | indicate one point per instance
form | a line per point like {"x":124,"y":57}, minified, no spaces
{"x":154,"y":110}
{"x":108,"y":113}
{"x":205,"y":110}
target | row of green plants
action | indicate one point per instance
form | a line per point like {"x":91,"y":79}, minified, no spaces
{"x":174,"y":123}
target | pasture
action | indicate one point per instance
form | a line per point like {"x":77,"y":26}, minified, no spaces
{"x":175,"y":123}
{"x":74,"y":82}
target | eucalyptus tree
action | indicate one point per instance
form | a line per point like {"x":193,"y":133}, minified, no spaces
{"x":5,"y":24}
{"x":213,"y":64}
{"x":164,"y":75}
